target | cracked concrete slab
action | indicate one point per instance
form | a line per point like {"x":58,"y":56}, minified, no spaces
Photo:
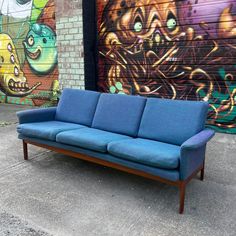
{"x":69,"y":197}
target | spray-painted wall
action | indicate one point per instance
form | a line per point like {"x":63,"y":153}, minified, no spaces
{"x":171,"y":49}
{"x":28,"y":55}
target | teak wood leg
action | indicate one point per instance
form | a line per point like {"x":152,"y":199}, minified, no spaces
{"x":182,"y":187}
{"x":202,"y":173}
{"x":25,"y":150}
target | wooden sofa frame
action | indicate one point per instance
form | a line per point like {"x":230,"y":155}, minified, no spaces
{"x":180,"y":184}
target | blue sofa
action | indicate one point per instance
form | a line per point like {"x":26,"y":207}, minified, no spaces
{"x":160,"y":139}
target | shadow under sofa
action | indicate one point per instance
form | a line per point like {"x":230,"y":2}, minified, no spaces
{"x":160,"y":139}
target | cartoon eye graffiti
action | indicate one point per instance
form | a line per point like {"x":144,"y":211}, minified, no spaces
{"x":12,"y":58}
{"x":31,"y":40}
{"x":138,"y":26}
{"x":9,"y":47}
{"x":44,"y":40}
{"x":16,"y":71}
{"x":171,"y":22}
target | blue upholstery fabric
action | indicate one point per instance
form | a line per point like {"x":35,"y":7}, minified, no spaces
{"x":191,"y":160}
{"x":119,"y":113}
{"x":199,"y":139}
{"x":172,"y":175}
{"x":193,"y":153}
{"x":77,"y":106}
{"x":172,"y":121}
{"x":171,"y":144}
{"x":89,"y":138}
{"x":36,"y":115}
{"x":46,"y":130}
{"x":147,"y":152}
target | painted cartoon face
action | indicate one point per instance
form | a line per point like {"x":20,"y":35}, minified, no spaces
{"x":133,"y":32}
{"x":150,"y":21}
{"x":40,"y":49}
{"x":12,"y":79}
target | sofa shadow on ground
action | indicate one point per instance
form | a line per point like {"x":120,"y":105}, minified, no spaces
{"x":160,"y":139}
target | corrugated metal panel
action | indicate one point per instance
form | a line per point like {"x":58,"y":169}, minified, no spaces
{"x":171,"y":49}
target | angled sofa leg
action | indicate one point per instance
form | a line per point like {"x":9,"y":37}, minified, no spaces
{"x":202,"y":172}
{"x":25,"y":150}
{"x":182,"y":187}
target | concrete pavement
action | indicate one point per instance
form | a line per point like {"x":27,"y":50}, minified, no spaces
{"x":52,"y":194}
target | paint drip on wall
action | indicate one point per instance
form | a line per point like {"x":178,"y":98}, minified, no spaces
{"x":171,"y":49}
{"x":28,"y":54}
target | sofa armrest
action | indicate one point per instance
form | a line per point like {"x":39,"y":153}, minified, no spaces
{"x":36,"y":115}
{"x":193,"y":153}
{"x":198,"y":140}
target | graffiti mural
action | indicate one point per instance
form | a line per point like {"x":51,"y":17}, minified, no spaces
{"x":28,"y":55}
{"x":171,"y":49}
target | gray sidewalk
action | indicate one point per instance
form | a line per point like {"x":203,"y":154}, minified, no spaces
{"x":52,"y":194}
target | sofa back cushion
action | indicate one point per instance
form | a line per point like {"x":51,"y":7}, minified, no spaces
{"x":119,"y":113}
{"x":77,"y":106}
{"x":172,"y":121}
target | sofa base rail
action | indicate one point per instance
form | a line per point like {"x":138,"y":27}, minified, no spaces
{"x":180,"y":184}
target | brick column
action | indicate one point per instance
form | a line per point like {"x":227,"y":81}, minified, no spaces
{"x":69,"y":24}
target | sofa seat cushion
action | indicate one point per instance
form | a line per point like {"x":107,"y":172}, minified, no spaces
{"x":148,"y":152}
{"x":46,"y":130}
{"x":89,"y":138}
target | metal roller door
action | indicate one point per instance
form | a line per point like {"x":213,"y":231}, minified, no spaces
{"x":171,"y":49}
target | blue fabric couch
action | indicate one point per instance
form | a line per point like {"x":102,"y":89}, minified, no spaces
{"x":159,"y":139}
